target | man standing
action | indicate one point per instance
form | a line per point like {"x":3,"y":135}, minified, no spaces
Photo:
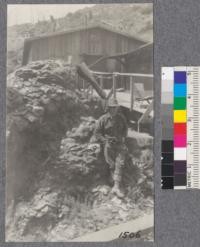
{"x":111,"y":131}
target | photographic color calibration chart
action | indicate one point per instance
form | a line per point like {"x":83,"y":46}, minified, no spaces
{"x":180,"y":117}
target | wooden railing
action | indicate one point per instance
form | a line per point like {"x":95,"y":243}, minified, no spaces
{"x":106,"y":75}
{"x":114,"y":75}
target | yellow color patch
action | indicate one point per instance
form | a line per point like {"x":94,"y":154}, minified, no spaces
{"x":180,"y":116}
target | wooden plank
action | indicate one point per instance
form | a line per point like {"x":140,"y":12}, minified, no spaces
{"x":122,"y":74}
{"x":112,"y":233}
{"x":97,"y":61}
{"x":123,"y":99}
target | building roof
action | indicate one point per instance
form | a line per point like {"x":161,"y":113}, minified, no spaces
{"x":100,"y":25}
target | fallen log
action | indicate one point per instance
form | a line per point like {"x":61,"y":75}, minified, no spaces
{"x":85,"y":73}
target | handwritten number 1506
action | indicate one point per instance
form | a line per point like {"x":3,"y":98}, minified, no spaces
{"x":130,"y":235}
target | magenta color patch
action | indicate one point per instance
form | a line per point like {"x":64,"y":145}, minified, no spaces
{"x":180,"y":141}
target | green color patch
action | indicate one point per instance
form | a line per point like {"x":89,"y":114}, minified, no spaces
{"x":179,"y":103}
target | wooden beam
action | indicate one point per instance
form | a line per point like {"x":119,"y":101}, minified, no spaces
{"x":97,"y":61}
{"x":86,"y":74}
{"x":124,"y":74}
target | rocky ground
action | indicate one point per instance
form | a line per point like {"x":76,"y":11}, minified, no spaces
{"x":58,"y":185}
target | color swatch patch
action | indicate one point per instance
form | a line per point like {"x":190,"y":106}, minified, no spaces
{"x":180,"y":117}
{"x":167,"y":101}
{"x":180,"y":114}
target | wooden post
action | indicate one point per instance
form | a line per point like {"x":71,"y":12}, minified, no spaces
{"x":114,"y":86}
{"x":132,"y":92}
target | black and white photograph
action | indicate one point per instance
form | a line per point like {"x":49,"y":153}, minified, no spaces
{"x":79,"y":123}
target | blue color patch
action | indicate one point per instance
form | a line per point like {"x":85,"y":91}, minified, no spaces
{"x":180,"y":90}
{"x":179,"y":76}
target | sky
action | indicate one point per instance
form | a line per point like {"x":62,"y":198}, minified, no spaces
{"x":23,"y":13}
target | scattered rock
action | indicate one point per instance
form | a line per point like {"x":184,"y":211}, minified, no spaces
{"x":102,"y":189}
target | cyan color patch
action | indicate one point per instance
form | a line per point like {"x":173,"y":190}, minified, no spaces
{"x":180,"y":90}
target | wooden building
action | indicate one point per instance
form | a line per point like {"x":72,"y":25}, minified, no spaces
{"x":139,"y":60}
{"x":86,"y":44}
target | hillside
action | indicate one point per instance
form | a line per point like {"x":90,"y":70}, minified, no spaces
{"x":135,"y":19}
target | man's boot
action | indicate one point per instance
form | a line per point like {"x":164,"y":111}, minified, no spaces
{"x":117,"y":191}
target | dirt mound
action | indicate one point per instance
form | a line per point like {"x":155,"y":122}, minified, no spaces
{"x":58,"y":184}
{"x":42,"y":104}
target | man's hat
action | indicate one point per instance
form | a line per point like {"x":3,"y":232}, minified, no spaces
{"x":112,"y":102}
